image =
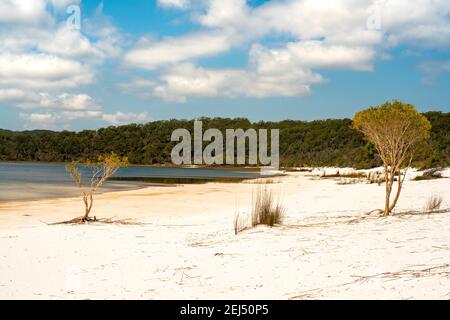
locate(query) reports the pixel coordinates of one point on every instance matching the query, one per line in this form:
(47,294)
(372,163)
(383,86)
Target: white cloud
(55,120)
(335,20)
(172,50)
(62,5)
(231,13)
(42,71)
(186,80)
(15,95)
(313,54)
(426,23)
(39,120)
(72,115)
(179,4)
(69,42)
(53,111)
(65,101)
(24,11)
(38,117)
(125,118)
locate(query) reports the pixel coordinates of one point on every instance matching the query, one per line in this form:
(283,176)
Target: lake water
(33,181)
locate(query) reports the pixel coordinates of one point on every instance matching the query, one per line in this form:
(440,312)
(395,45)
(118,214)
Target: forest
(330,142)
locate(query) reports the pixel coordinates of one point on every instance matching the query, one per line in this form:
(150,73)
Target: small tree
(101,171)
(396,130)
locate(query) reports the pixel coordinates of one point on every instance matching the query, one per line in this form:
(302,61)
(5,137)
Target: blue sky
(265,60)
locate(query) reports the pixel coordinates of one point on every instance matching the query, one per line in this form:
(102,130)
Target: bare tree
(396,130)
(100,172)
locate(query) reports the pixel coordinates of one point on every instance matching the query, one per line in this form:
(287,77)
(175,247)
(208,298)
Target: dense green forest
(317,143)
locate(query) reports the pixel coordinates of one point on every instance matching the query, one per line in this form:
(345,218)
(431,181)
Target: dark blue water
(32,181)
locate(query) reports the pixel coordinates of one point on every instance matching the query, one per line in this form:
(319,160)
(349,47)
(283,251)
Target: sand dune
(184,244)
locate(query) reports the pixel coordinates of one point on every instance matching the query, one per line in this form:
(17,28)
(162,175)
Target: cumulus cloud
(24,11)
(55,120)
(183,81)
(313,54)
(179,4)
(52,110)
(150,55)
(119,118)
(15,95)
(44,100)
(42,71)
(39,120)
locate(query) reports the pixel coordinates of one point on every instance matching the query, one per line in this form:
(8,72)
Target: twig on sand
(81,220)
(440,270)
(307,294)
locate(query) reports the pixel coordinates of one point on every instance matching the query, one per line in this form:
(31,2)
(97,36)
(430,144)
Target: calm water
(32,181)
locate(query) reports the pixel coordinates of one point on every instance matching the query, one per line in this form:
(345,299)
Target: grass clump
(433,203)
(265,209)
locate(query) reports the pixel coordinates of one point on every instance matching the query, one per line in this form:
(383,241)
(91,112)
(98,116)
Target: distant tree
(396,130)
(101,170)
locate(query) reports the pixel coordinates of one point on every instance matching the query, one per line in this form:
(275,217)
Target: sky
(74,65)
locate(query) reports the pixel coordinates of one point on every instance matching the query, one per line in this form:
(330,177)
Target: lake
(21,181)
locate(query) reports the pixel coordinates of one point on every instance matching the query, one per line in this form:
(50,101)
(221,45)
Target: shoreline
(51,182)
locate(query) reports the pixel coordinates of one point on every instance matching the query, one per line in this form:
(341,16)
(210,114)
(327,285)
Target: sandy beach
(183,246)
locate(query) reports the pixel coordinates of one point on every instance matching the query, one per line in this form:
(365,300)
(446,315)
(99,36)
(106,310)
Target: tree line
(331,142)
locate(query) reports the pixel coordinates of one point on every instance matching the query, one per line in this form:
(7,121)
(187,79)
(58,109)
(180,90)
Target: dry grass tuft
(265,210)
(433,203)
(239,224)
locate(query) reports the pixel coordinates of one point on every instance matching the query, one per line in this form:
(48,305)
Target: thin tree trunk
(88,206)
(388,190)
(397,195)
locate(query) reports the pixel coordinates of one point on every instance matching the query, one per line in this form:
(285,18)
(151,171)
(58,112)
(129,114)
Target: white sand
(186,247)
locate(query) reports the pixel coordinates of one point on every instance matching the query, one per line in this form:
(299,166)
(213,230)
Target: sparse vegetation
(100,172)
(397,132)
(433,173)
(262,181)
(375,177)
(265,209)
(433,203)
(345,181)
(345,174)
(239,224)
